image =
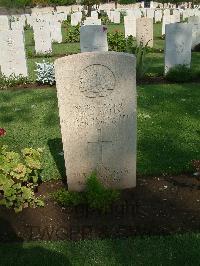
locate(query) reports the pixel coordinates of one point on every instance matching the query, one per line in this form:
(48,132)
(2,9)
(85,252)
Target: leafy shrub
(68,198)
(20,175)
(130,47)
(104,18)
(45,73)
(141,66)
(73,34)
(117,41)
(179,73)
(96,195)
(12,81)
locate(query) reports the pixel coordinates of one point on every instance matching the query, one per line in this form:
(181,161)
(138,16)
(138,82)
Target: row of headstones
(93,39)
(156,14)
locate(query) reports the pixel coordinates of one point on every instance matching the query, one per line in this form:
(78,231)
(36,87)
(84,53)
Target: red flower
(2,132)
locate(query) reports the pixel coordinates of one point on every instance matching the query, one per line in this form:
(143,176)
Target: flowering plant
(2,132)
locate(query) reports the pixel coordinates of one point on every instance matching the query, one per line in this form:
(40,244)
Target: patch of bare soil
(157,206)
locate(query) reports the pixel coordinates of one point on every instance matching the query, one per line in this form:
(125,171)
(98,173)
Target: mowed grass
(168,127)
(177,250)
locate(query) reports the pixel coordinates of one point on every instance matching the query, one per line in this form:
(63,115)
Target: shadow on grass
(18,254)
(56,148)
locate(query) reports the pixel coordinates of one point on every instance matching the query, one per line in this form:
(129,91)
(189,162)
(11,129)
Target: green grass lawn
(177,250)
(168,127)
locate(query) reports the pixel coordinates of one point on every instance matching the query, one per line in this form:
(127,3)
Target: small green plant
(179,73)
(130,47)
(117,41)
(73,34)
(20,175)
(96,195)
(12,81)
(105,19)
(68,198)
(141,66)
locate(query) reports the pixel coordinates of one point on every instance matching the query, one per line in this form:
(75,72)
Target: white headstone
(158,15)
(150,13)
(195,23)
(94,15)
(178,41)
(167,19)
(97,108)
(4,23)
(76,18)
(130,26)
(144,31)
(56,31)
(93,38)
(115,16)
(42,37)
(92,21)
(12,53)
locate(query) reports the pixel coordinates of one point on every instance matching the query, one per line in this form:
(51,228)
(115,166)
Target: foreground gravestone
(93,38)
(178,41)
(97,107)
(12,53)
(144,31)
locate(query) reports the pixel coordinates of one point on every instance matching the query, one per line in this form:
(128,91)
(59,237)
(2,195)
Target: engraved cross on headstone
(100,143)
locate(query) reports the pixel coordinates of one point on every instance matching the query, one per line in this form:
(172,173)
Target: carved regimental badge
(97,81)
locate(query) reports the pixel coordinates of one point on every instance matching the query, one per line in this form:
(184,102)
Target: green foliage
(96,195)
(20,175)
(15,3)
(73,34)
(117,41)
(180,73)
(12,81)
(68,198)
(104,18)
(141,66)
(61,2)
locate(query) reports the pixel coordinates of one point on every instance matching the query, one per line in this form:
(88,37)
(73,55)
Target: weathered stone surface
(92,21)
(93,38)
(97,108)
(42,37)
(4,23)
(195,23)
(150,13)
(12,53)
(76,18)
(144,31)
(130,25)
(158,15)
(178,41)
(56,31)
